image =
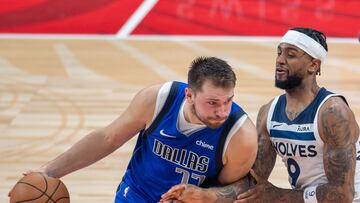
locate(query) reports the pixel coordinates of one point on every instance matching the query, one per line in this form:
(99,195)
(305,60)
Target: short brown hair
(218,71)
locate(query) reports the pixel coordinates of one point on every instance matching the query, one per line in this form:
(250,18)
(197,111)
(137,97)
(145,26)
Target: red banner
(337,18)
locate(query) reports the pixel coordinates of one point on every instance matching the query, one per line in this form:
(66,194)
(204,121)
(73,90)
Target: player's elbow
(111,141)
(349,197)
(335,193)
(348,193)
(343,195)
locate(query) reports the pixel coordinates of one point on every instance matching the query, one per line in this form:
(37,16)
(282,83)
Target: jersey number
(186,176)
(293,170)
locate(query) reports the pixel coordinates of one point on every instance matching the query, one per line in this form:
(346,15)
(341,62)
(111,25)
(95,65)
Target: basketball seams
(64,197)
(42,192)
(57,187)
(61,198)
(46,183)
(53,192)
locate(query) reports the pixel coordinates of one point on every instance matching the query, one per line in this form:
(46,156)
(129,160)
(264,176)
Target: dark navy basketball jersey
(298,141)
(164,157)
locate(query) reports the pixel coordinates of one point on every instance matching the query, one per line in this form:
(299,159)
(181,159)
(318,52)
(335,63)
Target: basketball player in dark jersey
(312,129)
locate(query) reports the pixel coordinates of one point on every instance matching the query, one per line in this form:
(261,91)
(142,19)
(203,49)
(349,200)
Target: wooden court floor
(55,91)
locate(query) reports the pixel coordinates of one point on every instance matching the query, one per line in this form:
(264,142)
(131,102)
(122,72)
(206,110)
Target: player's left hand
(187,193)
(261,192)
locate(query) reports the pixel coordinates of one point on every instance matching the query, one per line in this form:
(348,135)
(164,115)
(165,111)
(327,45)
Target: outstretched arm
(102,142)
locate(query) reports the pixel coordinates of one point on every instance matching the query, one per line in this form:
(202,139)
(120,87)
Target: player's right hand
(40,170)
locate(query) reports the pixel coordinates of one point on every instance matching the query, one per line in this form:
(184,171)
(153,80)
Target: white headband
(306,43)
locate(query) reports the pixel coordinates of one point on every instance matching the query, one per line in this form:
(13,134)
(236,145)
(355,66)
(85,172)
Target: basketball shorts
(125,194)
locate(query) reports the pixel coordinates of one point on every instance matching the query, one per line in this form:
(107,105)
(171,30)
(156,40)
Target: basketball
(38,188)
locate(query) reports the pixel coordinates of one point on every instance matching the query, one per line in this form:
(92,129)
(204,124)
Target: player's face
(212,104)
(290,66)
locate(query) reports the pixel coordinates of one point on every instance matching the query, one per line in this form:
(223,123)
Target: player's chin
(216,123)
(281,77)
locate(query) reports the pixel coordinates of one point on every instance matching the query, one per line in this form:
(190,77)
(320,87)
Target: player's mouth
(280,71)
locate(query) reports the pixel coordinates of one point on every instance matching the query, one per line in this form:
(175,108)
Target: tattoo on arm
(230,192)
(266,156)
(339,154)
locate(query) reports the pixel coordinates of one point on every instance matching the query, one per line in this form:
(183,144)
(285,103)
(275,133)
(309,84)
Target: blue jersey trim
(304,136)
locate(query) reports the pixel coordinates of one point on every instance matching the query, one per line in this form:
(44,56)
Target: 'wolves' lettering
(290,149)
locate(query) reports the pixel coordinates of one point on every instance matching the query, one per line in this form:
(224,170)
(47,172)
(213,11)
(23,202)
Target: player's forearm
(280,195)
(88,150)
(324,194)
(229,193)
(329,193)
(265,159)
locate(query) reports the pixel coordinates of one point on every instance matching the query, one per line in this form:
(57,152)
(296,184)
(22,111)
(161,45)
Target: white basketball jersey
(299,145)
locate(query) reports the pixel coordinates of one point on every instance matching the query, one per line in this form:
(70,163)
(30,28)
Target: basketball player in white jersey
(312,129)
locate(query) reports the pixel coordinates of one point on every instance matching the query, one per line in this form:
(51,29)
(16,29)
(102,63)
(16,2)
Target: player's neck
(299,98)
(189,116)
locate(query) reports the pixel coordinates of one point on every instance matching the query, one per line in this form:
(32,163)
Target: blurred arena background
(69,67)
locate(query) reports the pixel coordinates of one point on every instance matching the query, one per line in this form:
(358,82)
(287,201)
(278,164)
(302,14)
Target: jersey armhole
(213,181)
(161,98)
(270,114)
(168,102)
(232,132)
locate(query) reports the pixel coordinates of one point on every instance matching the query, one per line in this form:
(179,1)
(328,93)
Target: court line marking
(136,18)
(160,69)
(237,63)
(73,67)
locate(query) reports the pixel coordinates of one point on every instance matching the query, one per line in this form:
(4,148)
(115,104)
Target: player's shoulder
(265,107)
(335,105)
(152,91)
(244,136)
(145,99)
(336,115)
(263,111)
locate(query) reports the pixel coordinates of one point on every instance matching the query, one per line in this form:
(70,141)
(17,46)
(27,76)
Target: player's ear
(314,66)
(189,93)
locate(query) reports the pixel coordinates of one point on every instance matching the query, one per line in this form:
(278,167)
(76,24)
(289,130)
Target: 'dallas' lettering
(289,149)
(181,157)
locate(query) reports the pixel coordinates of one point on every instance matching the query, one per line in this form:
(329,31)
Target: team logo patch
(162,132)
(126,191)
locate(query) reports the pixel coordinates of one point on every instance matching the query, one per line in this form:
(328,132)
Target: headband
(306,43)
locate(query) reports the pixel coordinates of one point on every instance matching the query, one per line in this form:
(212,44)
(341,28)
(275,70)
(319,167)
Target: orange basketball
(38,188)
